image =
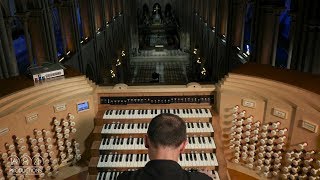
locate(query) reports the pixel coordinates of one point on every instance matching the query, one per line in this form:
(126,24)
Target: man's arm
(123,176)
(208,173)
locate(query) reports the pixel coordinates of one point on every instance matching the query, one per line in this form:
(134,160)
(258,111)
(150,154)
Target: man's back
(162,170)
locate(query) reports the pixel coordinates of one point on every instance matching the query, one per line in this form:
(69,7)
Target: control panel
(156,100)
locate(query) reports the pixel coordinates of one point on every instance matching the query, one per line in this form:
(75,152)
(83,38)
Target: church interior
(80,81)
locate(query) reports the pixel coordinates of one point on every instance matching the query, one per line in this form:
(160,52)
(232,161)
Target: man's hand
(208,173)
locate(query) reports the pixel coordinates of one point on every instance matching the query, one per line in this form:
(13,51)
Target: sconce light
(195,51)
(113,75)
(118,62)
(204,71)
(123,54)
(199,60)
(60,60)
(98,31)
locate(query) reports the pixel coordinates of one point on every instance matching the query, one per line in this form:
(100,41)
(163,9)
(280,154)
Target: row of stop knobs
(24,155)
(301,163)
(67,150)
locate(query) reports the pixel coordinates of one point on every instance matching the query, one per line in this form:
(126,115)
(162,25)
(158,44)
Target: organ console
(261,131)
(122,122)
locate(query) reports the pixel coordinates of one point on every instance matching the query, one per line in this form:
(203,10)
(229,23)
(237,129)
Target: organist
(166,139)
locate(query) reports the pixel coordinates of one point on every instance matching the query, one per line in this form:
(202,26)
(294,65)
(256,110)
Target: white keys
(115,143)
(139,160)
(141,128)
(148,114)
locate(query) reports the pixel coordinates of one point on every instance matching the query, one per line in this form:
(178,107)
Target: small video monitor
(83,106)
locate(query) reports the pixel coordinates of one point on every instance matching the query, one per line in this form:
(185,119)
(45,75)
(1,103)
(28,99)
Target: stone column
(3,65)
(292,39)
(8,22)
(51,35)
(275,38)
(237,17)
(24,19)
(265,38)
(11,63)
(1,75)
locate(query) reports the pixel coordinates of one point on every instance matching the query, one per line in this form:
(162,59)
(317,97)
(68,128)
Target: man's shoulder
(126,175)
(136,175)
(198,176)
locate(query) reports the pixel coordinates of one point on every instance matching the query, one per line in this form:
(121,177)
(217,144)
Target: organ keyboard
(116,143)
(122,123)
(141,128)
(127,161)
(151,113)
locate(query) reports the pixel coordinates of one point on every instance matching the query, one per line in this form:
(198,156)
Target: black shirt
(162,170)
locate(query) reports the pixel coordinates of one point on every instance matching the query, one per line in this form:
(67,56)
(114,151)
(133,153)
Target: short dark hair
(167,130)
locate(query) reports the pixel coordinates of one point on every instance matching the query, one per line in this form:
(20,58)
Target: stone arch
(156,6)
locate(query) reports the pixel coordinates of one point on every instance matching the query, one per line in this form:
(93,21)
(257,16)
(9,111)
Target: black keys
(201,124)
(102,158)
(104,141)
(112,158)
(107,112)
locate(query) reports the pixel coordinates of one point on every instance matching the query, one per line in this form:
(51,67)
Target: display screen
(83,106)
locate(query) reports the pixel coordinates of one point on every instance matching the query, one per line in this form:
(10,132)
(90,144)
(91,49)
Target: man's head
(166,130)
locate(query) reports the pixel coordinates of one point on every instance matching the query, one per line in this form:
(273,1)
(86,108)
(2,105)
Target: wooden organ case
(123,117)
(240,128)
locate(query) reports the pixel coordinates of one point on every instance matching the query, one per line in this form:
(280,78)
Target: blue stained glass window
(284,36)
(57,31)
(20,48)
(79,22)
(247,27)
